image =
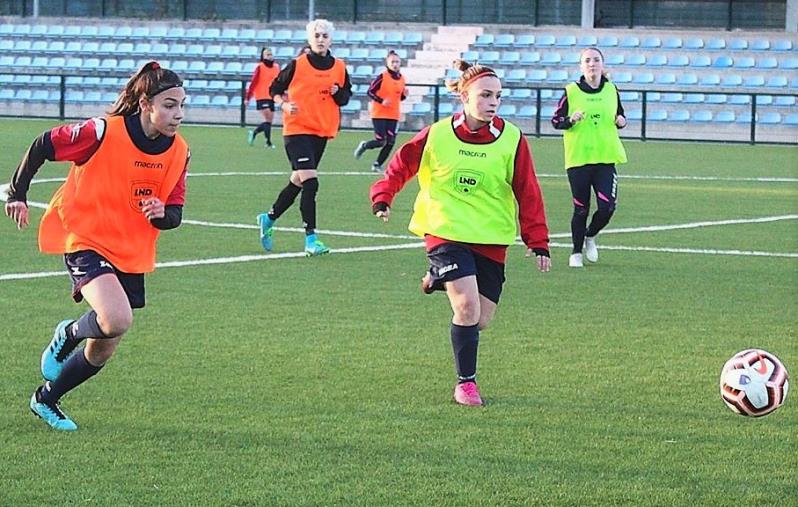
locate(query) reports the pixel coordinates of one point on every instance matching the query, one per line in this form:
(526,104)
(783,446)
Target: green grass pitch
(327,381)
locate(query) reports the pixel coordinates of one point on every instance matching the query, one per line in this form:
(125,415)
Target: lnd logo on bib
(467,182)
(141,191)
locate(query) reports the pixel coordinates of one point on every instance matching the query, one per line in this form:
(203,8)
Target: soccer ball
(753,383)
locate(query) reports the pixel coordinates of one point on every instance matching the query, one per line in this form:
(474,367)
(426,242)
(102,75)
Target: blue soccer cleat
(251,137)
(54,356)
(265,223)
(50,413)
(314,246)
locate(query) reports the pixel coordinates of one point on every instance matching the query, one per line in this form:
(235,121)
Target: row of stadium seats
(526,41)
(512,58)
(145,33)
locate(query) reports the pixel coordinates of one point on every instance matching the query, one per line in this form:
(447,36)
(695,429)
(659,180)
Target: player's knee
(466,311)
(310,185)
(116,322)
(580,211)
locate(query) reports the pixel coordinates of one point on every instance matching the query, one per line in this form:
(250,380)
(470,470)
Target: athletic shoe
(375,167)
(314,246)
(251,137)
(50,412)
(270,145)
(575,260)
(591,249)
(467,393)
(361,148)
(52,359)
(266,228)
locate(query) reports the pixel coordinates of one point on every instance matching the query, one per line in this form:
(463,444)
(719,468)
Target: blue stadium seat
(23,95)
(759,45)
(263,35)
(56,46)
(650,42)
(622,77)
(413,38)
(229,52)
(229,35)
(515,76)
(281,36)
(377,55)
(558,76)
(489,57)
(710,80)
(484,40)
(219,101)
(73,63)
(22,30)
(614,59)
(679,115)
(91,63)
(744,62)
(536,75)
(739,100)
(124,48)
(158,32)
(421,109)
(551,58)
(250,52)
(700,61)
(6,29)
(570,59)
(210,34)
(470,56)
(92,97)
(629,96)
(90,48)
(393,38)
(731,80)
(565,41)
(175,33)
(196,66)
(530,58)
(39,46)
(56,62)
(215,67)
(782,45)
(356,38)
(39,61)
(353,106)
(744,118)
(587,41)
(288,52)
(694,43)
(693,98)
(365,71)
(715,43)
(657,115)
(213,51)
(199,100)
(508,110)
(657,60)
(653,96)
(672,97)
(140,32)
(678,61)
(123,32)
(725,117)
(547,112)
(607,41)
(630,41)
(520,93)
(524,41)
(794,82)
(108,48)
(784,100)
(665,79)
(789,64)
(194,34)
(754,81)
(738,44)
(178,49)
(643,78)
(301,37)
(510,58)
(6,45)
(22,61)
(359,54)
(375,38)
(764,100)
(776,82)
(527,112)
(687,79)
(545,40)
(636,59)
(195,50)
(791,119)
(769,118)
(504,40)
(634,114)
(722,62)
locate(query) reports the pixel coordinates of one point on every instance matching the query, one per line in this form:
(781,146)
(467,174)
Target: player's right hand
(18,212)
(381,210)
(289,107)
(577,116)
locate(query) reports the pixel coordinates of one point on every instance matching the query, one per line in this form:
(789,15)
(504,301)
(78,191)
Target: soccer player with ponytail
(310,91)
(473,169)
(590,114)
(125,185)
(262,77)
(386,91)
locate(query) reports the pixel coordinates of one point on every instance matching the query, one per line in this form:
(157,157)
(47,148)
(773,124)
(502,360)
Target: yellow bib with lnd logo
(594,140)
(466,190)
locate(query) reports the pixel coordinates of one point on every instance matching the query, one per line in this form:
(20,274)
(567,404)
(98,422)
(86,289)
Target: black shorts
(264,104)
(385,129)
(86,265)
(304,151)
(452,261)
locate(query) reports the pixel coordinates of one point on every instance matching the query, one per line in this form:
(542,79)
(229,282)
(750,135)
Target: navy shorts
(264,104)
(452,261)
(385,129)
(304,151)
(86,265)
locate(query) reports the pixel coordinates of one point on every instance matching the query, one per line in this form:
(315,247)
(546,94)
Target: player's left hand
(334,89)
(153,208)
(18,212)
(543,262)
(620,121)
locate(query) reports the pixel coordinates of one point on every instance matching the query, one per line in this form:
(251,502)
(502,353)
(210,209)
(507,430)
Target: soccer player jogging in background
(262,79)
(317,85)
(387,91)
(473,168)
(125,185)
(590,114)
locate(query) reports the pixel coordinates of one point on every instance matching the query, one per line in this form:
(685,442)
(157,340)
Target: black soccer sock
(578,226)
(374,143)
(260,128)
(384,152)
(85,327)
(267,131)
(284,201)
(307,204)
(465,341)
(77,370)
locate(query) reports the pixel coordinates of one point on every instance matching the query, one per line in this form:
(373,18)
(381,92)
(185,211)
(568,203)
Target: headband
(484,73)
(153,66)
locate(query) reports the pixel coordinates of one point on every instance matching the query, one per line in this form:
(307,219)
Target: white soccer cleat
(591,249)
(575,260)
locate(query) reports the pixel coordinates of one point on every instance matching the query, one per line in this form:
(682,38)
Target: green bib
(594,140)
(466,191)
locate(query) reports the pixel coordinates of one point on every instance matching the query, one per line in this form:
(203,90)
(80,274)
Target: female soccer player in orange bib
(126,184)
(387,91)
(262,78)
(473,169)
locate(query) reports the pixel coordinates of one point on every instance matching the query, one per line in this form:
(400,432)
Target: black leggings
(603,179)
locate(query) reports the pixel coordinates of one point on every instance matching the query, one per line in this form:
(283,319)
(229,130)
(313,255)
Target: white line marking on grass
(230,260)
(704,251)
(298,229)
